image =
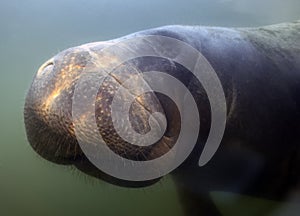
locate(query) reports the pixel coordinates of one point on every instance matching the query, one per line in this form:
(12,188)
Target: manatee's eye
(45,68)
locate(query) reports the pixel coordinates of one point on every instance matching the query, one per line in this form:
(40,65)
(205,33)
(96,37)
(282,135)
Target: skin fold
(259,69)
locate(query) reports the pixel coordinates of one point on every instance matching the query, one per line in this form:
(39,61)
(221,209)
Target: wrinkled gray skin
(259,69)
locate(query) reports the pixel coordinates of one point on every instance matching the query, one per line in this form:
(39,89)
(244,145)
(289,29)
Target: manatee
(259,71)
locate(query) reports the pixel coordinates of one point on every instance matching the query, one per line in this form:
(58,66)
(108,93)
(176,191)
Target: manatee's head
(48,109)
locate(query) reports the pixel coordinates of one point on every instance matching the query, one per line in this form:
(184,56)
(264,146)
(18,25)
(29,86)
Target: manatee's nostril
(45,68)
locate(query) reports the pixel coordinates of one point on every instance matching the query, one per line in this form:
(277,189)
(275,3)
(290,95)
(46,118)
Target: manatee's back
(259,69)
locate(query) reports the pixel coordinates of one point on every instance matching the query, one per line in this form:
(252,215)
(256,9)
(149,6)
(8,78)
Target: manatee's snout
(48,108)
(47,111)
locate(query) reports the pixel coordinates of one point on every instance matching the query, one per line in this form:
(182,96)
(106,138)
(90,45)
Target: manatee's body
(259,69)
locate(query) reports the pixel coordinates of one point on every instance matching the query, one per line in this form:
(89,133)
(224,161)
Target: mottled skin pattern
(259,69)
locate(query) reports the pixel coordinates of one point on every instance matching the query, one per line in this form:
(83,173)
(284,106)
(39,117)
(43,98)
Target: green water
(31,32)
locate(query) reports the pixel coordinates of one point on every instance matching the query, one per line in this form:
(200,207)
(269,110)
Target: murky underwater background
(31,31)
